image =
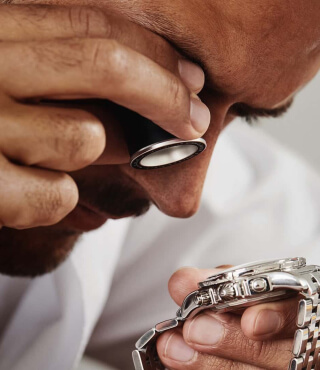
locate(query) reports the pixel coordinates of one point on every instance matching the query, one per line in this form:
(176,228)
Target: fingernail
(177,350)
(267,322)
(191,74)
(200,115)
(205,330)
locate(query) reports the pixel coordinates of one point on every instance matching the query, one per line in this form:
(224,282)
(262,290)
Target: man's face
(256,55)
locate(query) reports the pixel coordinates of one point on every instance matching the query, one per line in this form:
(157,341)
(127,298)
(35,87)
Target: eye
(241,111)
(252,114)
(250,118)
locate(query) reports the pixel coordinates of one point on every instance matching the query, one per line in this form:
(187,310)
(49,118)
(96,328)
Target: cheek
(176,190)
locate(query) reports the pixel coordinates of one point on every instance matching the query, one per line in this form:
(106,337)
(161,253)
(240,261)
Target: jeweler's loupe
(152,147)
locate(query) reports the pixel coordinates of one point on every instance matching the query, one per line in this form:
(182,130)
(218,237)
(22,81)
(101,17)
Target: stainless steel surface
(244,286)
(253,268)
(300,341)
(146,357)
(137,360)
(306,344)
(167,153)
(258,285)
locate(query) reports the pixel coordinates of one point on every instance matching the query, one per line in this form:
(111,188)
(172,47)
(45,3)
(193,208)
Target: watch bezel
(252,269)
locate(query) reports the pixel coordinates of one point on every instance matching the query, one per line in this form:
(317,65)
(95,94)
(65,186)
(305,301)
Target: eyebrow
(251,114)
(190,50)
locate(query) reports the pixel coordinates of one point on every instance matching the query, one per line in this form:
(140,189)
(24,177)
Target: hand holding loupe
(149,145)
(152,147)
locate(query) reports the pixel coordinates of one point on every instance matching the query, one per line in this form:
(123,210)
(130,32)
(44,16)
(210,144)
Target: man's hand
(78,53)
(261,337)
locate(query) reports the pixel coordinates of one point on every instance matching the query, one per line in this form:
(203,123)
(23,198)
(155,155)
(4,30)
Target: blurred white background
(299,130)
(88,364)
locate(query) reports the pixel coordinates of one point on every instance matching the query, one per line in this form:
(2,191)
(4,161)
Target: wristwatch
(245,286)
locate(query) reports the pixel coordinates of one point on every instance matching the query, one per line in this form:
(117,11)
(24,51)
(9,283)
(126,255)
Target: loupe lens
(152,147)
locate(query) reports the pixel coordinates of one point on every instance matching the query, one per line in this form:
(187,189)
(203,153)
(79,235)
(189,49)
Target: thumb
(186,279)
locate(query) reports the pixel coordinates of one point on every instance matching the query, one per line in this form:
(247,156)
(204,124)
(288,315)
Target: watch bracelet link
(146,356)
(306,344)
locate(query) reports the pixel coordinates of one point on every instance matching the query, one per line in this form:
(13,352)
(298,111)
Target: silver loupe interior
(169,155)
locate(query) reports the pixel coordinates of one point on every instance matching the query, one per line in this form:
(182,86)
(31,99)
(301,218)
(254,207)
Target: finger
(186,280)
(271,320)
(234,344)
(176,354)
(50,137)
(221,335)
(105,69)
(259,322)
(41,22)
(31,197)
(116,150)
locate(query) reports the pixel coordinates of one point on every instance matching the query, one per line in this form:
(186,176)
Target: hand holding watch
(244,286)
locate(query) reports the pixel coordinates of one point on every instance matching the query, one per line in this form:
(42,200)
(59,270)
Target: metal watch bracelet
(306,345)
(146,356)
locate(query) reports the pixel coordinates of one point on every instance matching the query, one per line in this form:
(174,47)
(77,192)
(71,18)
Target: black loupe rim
(138,157)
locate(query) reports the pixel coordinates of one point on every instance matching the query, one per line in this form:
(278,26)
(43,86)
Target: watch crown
(226,291)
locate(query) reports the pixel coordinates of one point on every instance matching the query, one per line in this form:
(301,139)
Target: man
(63,157)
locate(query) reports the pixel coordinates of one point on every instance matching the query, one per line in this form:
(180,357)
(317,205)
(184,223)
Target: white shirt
(259,202)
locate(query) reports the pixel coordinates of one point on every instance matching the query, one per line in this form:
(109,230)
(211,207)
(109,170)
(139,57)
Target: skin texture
(257,62)
(247,341)
(68,139)
(63,69)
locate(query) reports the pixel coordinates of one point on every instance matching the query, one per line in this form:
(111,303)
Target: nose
(176,190)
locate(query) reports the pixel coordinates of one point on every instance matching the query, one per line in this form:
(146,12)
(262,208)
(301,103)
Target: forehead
(247,49)
(252,52)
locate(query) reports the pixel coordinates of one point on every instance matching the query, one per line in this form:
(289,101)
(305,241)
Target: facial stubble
(40,250)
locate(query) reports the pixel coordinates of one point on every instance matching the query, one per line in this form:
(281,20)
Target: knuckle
(118,59)
(175,91)
(43,203)
(68,193)
(262,350)
(43,208)
(79,139)
(48,203)
(179,102)
(88,21)
(87,146)
(107,63)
